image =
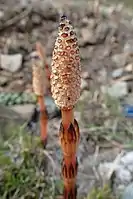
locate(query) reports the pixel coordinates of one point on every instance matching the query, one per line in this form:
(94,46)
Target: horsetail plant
(65,88)
(40,82)
(42,55)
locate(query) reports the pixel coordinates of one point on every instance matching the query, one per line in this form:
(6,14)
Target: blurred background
(105,108)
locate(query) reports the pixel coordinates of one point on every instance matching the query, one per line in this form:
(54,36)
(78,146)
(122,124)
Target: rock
(128,47)
(36,19)
(85,95)
(3,80)
(128,192)
(9,121)
(101,32)
(1,14)
(11,63)
(119,59)
(129,68)
(85,75)
(19,75)
(102,76)
(117,73)
(92,23)
(28,88)
(127,159)
(6,73)
(105,168)
(46,9)
(118,190)
(22,25)
(8,113)
(24,110)
(33,54)
(118,89)
(88,37)
(130,168)
(85,53)
(84,22)
(123,175)
(129,99)
(16,85)
(84,84)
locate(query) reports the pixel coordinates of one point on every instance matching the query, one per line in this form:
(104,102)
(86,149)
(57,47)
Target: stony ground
(105,40)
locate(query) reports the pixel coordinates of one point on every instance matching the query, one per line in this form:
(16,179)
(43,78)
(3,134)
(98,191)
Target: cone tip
(63,17)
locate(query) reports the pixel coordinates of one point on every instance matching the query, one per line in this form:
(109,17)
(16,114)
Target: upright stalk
(43,120)
(69,138)
(65,87)
(40,83)
(42,54)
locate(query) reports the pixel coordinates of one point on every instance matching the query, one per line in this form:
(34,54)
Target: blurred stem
(43,120)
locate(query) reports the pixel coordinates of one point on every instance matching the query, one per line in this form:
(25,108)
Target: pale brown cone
(66,68)
(38,77)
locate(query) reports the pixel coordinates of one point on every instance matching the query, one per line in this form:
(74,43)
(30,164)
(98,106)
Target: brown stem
(67,117)
(43,120)
(69,138)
